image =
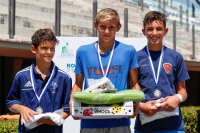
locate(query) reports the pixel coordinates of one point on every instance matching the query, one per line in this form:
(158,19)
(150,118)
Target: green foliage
(8,126)
(189,113)
(190,117)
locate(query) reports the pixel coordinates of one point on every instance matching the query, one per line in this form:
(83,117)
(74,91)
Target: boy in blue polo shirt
(41,87)
(162,74)
(106,58)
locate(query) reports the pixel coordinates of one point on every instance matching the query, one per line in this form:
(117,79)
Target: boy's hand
(76,118)
(2,117)
(27,113)
(70,104)
(46,121)
(136,110)
(148,109)
(170,103)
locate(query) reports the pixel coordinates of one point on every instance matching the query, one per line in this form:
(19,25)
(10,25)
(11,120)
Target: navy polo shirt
(172,71)
(56,95)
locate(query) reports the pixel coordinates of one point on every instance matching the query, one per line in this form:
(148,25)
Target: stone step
(78,21)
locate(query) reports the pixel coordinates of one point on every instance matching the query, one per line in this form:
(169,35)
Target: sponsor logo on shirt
(70,67)
(55,86)
(115,72)
(28,84)
(167,67)
(66,52)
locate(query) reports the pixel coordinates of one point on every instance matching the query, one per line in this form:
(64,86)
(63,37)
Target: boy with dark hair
(162,74)
(42,87)
(106,58)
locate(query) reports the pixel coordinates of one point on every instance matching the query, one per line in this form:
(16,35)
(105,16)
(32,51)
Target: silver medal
(39,110)
(157,93)
(39,97)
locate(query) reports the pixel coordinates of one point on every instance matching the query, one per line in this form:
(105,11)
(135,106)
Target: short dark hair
(154,15)
(42,35)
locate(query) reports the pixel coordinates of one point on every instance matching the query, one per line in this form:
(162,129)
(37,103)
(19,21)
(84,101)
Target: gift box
(86,111)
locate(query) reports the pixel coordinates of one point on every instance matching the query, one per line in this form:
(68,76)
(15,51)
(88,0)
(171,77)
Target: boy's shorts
(164,131)
(124,129)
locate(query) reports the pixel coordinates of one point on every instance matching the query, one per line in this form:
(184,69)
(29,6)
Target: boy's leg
(173,131)
(136,131)
(92,130)
(124,129)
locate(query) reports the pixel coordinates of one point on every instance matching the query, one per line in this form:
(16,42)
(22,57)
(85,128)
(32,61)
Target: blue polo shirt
(123,60)
(56,95)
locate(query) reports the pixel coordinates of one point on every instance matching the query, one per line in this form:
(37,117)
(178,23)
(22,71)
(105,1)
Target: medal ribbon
(45,87)
(156,78)
(109,62)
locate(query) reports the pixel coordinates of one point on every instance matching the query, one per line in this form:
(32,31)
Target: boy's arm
(9,117)
(13,102)
(78,83)
(65,115)
(26,113)
(171,102)
(76,88)
(145,107)
(182,90)
(49,121)
(66,97)
(133,75)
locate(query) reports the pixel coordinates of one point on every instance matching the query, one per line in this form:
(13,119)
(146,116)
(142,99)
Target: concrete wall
(76,20)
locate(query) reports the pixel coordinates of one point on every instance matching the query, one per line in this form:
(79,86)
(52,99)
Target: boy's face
(155,32)
(107,29)
(44,52)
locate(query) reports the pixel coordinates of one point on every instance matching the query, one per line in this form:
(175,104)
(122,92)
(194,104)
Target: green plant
(189,113)
(8,126)
(190,117)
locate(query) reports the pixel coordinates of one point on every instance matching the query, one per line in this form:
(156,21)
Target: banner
(65,56)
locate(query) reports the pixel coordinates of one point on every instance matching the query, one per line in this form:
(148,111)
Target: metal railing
(76,17)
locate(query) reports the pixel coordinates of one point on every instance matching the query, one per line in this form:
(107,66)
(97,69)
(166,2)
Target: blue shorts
(164,131)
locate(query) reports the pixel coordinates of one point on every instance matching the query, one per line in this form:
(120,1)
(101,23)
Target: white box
(102,112)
